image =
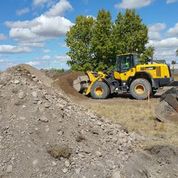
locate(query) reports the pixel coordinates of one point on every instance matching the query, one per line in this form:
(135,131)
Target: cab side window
(126,63)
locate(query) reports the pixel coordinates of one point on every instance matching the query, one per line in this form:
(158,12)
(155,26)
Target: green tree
(130,35)
(94,43)
(147,54)
(102,44)
(79,41)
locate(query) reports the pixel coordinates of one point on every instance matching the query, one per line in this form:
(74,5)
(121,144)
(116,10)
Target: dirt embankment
(44,134)
(65,82)
(157,161)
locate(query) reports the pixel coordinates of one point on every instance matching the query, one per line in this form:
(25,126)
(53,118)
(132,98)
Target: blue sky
(33,31)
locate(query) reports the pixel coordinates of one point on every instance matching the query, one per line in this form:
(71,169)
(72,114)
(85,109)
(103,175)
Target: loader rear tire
(100,90)
(140,89)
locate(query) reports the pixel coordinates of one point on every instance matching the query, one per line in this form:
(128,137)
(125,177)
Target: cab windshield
(126,62)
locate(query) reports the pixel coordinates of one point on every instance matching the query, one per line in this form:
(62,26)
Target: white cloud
(59,8)
(47,26)
(154,31)
(39,2)
(10,49)
(32,44)
(46,50)
(46,57)
(5,63)
(171,1)
(48,61)
(165,48)
(63,58)
(33,63)
(174,30)
(22,11)
(2,36)
(133,4)
(56,59)
(39,29)
(166,43)
(157,27)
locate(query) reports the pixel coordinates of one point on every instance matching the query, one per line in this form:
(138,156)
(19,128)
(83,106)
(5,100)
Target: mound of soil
(155,162)
(65,82)
(43,134)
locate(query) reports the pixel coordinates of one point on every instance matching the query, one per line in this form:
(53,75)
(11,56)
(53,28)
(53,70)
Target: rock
(65,170)
(77,171)
(60,132)
(99,154)
(47,105)
(67,163)
(34,94)
(54,163)
(33,76)
(35,162)
(9,169)
(99,123)
(39,102)
(16,81)
(21,95)
(23,106)
(43,119)
(116,174)
(22,118)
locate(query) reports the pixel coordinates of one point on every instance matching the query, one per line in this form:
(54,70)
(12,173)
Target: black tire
(140,89)
(104,90)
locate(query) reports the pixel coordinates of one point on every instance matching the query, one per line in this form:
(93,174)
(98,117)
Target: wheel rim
(140,89)
(99,91)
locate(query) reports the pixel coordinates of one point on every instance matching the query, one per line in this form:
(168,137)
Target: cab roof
(127,54)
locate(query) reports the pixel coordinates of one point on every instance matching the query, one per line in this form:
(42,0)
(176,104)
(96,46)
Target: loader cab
(126,62)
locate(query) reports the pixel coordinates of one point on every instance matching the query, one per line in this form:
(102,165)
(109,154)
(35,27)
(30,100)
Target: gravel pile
(43,134)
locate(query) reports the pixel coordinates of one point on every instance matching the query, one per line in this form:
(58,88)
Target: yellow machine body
(156,71)
(128,77)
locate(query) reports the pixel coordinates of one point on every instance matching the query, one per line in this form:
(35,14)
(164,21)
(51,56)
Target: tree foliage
(94,43)
(147,55)
(79,40)
(101,42)
(130,34)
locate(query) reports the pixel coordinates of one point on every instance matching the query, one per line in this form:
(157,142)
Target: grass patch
(58,151)
(138,116)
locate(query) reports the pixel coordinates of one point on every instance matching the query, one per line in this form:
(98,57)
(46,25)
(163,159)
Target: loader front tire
(100,90)
(140,89)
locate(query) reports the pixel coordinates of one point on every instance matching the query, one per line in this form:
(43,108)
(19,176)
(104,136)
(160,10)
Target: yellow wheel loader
(129,76)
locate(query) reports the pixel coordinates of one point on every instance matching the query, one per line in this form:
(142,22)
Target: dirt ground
(133,115)
(45,132)
(157,153)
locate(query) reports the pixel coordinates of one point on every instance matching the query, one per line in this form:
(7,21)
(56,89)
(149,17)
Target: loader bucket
(81,83)
(167,109)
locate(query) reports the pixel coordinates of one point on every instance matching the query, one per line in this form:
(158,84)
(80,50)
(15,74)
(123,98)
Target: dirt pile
(156,162)
(43,134)
(65,82)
